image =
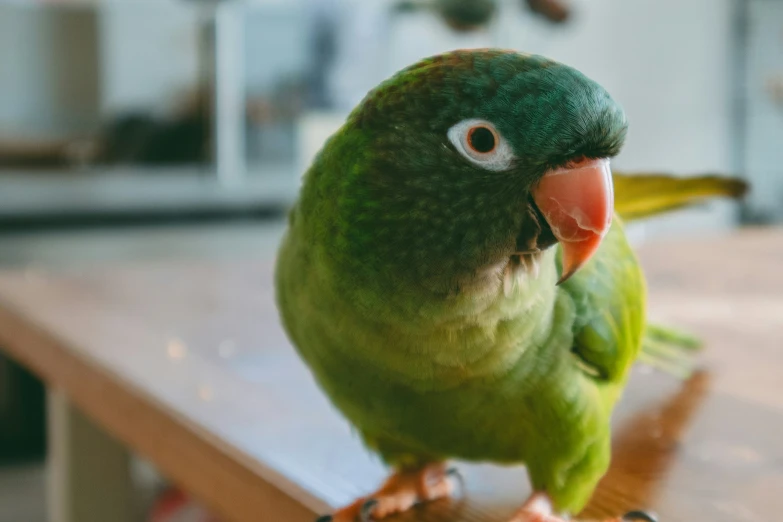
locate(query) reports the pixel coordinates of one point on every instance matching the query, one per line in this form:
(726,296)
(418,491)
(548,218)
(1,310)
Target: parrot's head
(470,158)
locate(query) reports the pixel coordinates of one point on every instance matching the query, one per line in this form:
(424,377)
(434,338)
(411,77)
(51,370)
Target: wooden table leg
(89,471)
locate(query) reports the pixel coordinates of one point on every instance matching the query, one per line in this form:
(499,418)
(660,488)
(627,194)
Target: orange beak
(578,202)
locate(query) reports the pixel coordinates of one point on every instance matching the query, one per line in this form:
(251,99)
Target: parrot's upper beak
(577,202)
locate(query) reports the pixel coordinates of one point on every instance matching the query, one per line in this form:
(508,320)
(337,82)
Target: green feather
(396,285)
(643,195)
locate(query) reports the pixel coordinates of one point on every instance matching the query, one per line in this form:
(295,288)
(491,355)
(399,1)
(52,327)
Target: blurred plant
(556,11)
(470,15)
(466,15)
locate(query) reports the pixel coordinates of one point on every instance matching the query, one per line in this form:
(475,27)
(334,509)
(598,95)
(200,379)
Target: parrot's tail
(670,350)
(642,195)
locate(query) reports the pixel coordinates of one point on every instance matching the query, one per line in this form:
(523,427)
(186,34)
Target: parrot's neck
(433,341)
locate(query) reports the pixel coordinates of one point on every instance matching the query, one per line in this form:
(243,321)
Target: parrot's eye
(481,143)
(482,139)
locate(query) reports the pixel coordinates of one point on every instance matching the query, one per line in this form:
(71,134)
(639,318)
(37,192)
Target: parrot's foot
(538,508)
(401,492)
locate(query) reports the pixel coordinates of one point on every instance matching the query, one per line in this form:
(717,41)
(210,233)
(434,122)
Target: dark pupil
(482,139)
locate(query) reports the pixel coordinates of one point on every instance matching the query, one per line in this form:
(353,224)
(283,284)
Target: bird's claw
(365,514)
(401,491)
(637,515)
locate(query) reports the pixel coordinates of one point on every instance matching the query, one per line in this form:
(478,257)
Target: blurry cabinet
(48,71)
(132,108)
(22,414)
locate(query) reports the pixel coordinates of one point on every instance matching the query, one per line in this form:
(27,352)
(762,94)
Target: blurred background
(138,129)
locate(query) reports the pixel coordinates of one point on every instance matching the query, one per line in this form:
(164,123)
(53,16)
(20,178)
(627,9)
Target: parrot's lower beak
(577,202)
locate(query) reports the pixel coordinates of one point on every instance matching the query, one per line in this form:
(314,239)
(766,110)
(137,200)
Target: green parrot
(455,277)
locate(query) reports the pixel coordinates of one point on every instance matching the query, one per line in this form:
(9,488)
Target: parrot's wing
(609,296)
(642,195)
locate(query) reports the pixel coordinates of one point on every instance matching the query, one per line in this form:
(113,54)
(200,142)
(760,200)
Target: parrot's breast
(449,385)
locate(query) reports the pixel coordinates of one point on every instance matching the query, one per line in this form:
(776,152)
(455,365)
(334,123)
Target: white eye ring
(491,153)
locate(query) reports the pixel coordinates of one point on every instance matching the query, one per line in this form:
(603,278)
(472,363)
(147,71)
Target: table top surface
(186,362)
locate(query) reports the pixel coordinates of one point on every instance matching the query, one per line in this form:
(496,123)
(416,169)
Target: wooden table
(185,363)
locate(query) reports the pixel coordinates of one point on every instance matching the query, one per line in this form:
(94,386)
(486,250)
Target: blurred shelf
(136,190)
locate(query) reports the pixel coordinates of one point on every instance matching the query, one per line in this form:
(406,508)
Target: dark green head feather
(405,204)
